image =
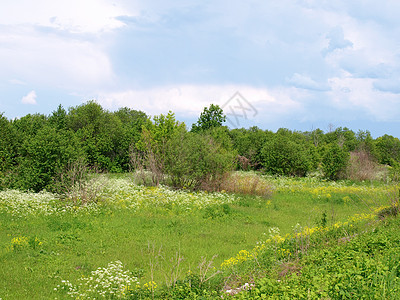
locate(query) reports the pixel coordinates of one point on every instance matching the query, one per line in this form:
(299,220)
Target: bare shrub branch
(77,183)
(362,166)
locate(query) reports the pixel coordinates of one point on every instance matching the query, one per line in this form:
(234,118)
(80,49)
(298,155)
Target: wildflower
(111,281)
(19,243)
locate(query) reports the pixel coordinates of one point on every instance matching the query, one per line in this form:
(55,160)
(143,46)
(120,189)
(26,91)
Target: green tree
(365,142)
(28,126)
(150,151)
(58,118)
(132,122)
(249,143)
(334,161)
(210,117)
(100,133)
(221,136)
(196,161)
(388,150)
(157,133)
(284,156)
(344,137)
(7,144)
(44,156)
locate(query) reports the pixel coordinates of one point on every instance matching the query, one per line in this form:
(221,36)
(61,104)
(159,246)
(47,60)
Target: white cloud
(388,85)
(52,60)
(337,40)
(58,44)
(89,16)
(16,81)
(30,98)
(303,59)
(191,99)
(359,94)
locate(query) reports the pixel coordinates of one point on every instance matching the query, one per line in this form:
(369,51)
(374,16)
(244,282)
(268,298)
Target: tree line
(37,150)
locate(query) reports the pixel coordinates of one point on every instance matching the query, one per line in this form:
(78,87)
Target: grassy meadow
(157,237)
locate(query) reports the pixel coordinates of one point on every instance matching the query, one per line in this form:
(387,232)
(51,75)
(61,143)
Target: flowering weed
(109,283)
(19,243)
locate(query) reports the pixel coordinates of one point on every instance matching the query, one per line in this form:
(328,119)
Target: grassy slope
(362,266)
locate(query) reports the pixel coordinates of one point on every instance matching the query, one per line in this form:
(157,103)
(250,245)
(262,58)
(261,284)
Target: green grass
(76,242)
(362,266)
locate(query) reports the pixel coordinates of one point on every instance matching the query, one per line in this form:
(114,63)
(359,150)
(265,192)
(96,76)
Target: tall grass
(247,184)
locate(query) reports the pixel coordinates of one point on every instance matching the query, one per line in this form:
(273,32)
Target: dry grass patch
(363,167)
(246,184)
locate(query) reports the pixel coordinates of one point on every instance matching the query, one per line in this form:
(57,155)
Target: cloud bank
(301,61)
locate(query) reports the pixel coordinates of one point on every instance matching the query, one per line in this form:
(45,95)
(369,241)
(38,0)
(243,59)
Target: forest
(36,150)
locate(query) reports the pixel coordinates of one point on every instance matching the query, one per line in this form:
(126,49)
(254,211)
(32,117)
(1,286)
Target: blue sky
(299,64)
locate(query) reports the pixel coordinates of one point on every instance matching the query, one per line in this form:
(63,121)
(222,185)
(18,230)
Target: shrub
(76,183)
(196,161)
(283,156)
(182,160)
(44,156)
(334,162)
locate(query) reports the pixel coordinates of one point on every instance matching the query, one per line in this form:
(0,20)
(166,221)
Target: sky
(297,64)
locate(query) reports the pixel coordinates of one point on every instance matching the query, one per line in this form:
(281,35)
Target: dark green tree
(283,156)
(100,132)
(58,118)
(388,150)
(44,156)
(210,117)
(7,147)
(248,144)
(334,161)
(132,122)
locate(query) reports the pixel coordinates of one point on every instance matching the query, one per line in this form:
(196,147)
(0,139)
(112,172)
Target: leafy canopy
(210,117)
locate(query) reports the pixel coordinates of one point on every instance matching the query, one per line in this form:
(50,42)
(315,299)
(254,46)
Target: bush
(196,161)
(44,156)
(388,150)
(334,162)
(283,156)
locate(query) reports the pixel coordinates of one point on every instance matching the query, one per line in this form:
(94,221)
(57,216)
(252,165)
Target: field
(155,238)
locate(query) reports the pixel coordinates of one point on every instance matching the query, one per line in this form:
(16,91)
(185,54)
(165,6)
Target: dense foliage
(36,149)
(210,117)
(287,153)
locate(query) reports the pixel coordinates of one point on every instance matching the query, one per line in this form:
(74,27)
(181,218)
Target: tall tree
(99,131)
(210,117)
